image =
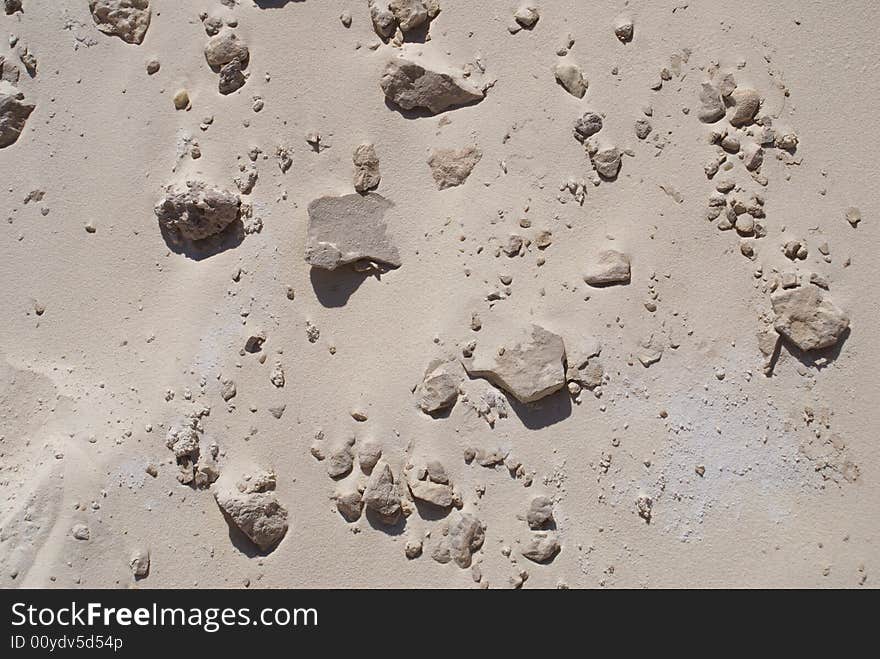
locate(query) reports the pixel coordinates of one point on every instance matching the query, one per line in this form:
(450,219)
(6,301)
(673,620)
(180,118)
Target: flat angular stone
(530,367)
(381,494)
(255,510)
(571,77)
(611,267)
(451,167)
(542,548)
(411,86)
(807,318)
(348,229)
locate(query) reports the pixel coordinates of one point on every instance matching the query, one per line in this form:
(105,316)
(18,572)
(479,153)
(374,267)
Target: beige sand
(696,470)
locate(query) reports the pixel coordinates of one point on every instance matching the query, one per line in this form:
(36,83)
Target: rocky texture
(225,48)
(744,105)
(807,318)
(542,548)
(527,16)
(341,461)
(587,126)
(438,390)
(611,267)
(139,562)
(368,455)
(196,459)
(366,168)
(466,536)
(407,15)
(126,19)
(14,113)
(529,368)
(350,505)
(232,78)
(624,28)
(711,106)
(381,495)
(196,212)
(451,167)
(607,162)
(411,86)
(253,507)
(540,513)
(571,78)
(348,229)
(437,494)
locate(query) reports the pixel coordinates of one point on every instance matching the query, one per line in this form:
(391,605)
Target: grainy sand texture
(439,293)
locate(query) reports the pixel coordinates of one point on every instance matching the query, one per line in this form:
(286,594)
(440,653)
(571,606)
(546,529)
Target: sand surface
(680,455)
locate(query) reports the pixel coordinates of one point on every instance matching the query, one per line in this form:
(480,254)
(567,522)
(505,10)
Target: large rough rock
(411,86)
(126,19)
(466,537)
(14,112)
(586,126)
(438,390)
(438,494)
(807,318)
(196,459)
(530,368)
(571,77)
(451,167)
(253,507)
(542,548)
(611,267)
(540,513)
(196,212)
(744,105)
(381,495)
(389,15)
(225,48)
(348,229)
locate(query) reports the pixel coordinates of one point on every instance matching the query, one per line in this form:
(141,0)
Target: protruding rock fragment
(408,15)
(451,167)
(253,507)
(587,126)
(643,128)
(80,532)
(853,216)
(350,505)
(527,16)
(540,512)
(411,86)
(744,105)
(349,229)
(529,368)
(14,112)
(181,100)
(624,28)
(571,77)
(232,78)
(711,106)
(225,48)
(196,212)
(140,563)
(381,495)
(412,549)
(753,156)
(368,455)
(438,390)
(366,168)
(438,494)
(126,19)
(611,267)
(807,318)
(341,461)
(465,537)
(607,162)
(542,548)
(12,6)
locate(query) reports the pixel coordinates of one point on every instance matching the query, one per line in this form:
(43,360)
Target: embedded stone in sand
(711,106)
(612,267)
(14,112)
(350,505)
(439,389)
(542,548)
(540,512)
(197,212)
(348,229)
(744,104)
(530,368)
(126,19)
(253,507)
(607,162)
(412,86)
(587,126)
(466,537)
(224,48)
(408,15)
(807,318)
(451,167)
(381,495)
(571,77)
(438,494)
(366,168)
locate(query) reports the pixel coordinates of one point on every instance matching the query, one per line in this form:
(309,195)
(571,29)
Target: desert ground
(438,293)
